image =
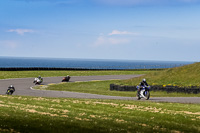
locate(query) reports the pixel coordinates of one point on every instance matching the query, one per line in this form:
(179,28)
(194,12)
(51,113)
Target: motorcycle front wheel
(9,93)
(147,95)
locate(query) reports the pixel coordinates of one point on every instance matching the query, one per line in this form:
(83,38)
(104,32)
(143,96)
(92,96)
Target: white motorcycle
(143,92)
(38,81)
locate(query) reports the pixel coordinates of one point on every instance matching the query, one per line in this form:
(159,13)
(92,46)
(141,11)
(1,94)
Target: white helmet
(144,80)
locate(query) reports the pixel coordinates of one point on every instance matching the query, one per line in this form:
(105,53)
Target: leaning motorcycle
(66,79)
(143,93)
(38,81)
(10,91)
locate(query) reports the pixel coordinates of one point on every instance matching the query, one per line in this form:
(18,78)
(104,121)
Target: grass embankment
(29,74)
(188,75)
(31,114)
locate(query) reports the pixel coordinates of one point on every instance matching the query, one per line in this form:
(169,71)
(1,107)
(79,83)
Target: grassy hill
(188,75)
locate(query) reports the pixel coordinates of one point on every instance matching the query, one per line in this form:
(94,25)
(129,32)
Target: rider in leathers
(11,88)
(142,84)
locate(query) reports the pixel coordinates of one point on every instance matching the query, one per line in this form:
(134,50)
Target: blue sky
(166,30)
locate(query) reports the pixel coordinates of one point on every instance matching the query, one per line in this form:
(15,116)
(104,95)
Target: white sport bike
(143,92)
(38,81)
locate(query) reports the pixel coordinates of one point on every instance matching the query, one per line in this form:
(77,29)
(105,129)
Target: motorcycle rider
(66,78)
(11,88)
(143,83)
(40,78)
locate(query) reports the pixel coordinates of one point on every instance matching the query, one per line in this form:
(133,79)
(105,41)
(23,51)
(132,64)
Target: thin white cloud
(9,44)
(117,32)
(109,39)
(106,40)
(119,40)
(21,31)
(100,40)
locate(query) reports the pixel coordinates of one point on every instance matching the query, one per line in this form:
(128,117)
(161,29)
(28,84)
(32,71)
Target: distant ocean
(19,62)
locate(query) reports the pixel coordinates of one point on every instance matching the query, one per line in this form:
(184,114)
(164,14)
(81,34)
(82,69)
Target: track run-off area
(24,86)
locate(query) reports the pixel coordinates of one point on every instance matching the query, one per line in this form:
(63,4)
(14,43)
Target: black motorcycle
(66,79)
(10,91)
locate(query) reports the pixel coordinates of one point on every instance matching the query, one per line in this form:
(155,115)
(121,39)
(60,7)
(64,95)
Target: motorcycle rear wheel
(138,96)
(9,93)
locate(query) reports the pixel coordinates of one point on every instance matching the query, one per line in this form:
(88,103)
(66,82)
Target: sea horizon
(35,62)
(93,59)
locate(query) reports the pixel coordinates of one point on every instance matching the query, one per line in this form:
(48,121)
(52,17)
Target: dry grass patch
(91,115)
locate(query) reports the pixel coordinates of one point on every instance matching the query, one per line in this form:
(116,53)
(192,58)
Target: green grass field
(27,74)
(44,115)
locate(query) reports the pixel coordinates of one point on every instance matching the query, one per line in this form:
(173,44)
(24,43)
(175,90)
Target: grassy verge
(26,74)
(188,75)
(35,114)
(103,88)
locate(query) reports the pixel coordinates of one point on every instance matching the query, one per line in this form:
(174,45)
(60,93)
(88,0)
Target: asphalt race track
(24,86)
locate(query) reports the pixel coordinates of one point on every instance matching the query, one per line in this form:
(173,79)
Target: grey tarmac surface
(23,88)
